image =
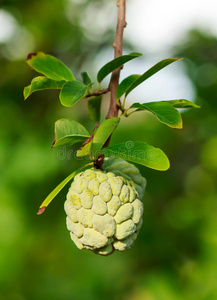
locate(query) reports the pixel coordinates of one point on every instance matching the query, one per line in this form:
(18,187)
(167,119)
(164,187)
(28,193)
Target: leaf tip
(53,144)
(30,55)
(55,135)
(24,95)
(41,210)
(180,125)
(137,54)
(176,59)
(167,168)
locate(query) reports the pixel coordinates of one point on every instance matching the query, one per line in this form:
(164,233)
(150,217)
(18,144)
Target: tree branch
(97,93)
(117,45)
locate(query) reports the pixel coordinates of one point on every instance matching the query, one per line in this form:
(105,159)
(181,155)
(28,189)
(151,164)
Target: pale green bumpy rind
(130,172)
(103,211)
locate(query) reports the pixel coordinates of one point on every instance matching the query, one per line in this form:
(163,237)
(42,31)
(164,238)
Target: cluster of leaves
(69,132)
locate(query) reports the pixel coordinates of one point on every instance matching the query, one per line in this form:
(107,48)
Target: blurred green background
(175,255)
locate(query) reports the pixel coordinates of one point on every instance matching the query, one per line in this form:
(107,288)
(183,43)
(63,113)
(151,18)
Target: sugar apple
(130,172)
(103,211)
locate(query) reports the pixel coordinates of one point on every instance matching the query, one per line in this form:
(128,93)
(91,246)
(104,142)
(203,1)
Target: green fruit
(103,211)
(121,167)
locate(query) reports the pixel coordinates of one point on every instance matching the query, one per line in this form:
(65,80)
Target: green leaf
(157,67)
(85,150)
(69,132)
(49,66)
(102,134)
(139,153)
(56,191)
(114,64)
(164,111)
(86,78)
(94,106)
(182,103)
(41,83)
(72,92)
(125,84)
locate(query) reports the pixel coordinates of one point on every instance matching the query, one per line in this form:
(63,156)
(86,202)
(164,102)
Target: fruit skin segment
(130,172)
(104,212)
